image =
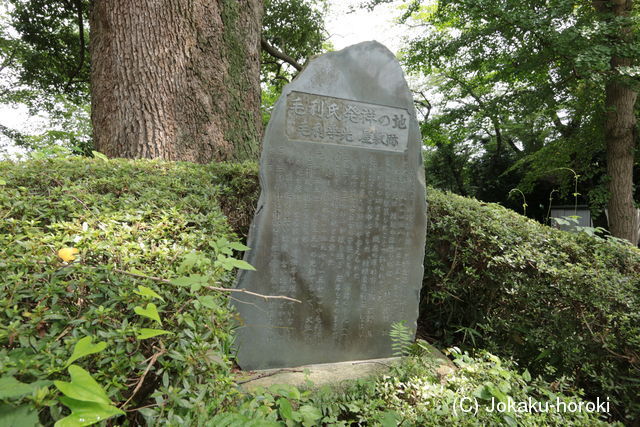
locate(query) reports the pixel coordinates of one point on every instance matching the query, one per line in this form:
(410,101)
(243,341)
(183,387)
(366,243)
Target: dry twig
(213,288)
(268,374)
(144,374)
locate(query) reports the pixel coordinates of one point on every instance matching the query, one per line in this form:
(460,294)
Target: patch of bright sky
(346,28)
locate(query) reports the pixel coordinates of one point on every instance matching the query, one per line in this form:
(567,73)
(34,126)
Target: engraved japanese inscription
(340,224)
(317,118)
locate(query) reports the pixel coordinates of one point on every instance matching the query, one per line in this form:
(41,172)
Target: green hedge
(143,217)
(513,286)
(559,303)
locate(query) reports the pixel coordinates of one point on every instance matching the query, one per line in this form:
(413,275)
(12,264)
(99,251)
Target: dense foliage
(47,53)
(559,303)
(98,256)
(295,28)
(125,219)
(44,64)
(517,90)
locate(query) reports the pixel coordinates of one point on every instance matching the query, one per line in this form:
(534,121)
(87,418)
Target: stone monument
(340,224)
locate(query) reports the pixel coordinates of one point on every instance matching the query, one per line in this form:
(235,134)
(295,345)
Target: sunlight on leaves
(100,156)
(147,292)
(150,333)
(151,312)
(85,347)
(86,413)
(82,387)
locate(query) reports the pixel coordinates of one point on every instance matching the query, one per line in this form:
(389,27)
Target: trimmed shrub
(128,220)
(561,304)
(150,232)
(239,196)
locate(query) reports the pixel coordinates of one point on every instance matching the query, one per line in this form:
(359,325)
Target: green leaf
(3,182)
(191,259)
(226,250)
(483,392)
(208,301)
(150,333)
(84,347)
(498,394)
(151,312)
(82,387)
(86,413)
(224,262)
(286,390)
(285,409)
(242,265)
(390,419)
(11,387)
(310,415)
(542,355)
(147,292)
(212,356)
(239,246)
(230,419)
(526,375)
(99,155)
(193,279)
(21,416)
(510,421)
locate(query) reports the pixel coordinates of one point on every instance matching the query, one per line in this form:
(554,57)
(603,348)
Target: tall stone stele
(340,224)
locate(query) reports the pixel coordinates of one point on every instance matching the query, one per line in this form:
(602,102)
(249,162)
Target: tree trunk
(176,80)
(620,135)
(620,125)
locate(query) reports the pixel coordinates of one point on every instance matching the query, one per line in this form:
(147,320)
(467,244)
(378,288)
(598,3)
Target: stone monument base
(333,374)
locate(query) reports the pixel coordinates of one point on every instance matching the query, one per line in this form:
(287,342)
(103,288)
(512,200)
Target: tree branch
(424,103)
(19,138)
(513,145)
(280,55)
(78,4)
(565,130)
(494,120)
(268,374)
(9,60)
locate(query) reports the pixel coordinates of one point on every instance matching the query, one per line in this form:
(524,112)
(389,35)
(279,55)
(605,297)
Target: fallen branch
(144,374)
(212,288)
(244,291)
(268,374)
(364,362)
(600,338)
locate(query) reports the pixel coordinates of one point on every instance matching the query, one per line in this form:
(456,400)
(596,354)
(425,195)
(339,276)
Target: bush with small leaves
(112,268)
(562,304)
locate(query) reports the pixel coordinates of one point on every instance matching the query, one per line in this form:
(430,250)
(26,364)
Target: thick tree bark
(620,135)
(176,79)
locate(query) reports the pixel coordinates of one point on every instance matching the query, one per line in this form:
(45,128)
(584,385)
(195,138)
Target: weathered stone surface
(338,374)
(318,375)
(340,224)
